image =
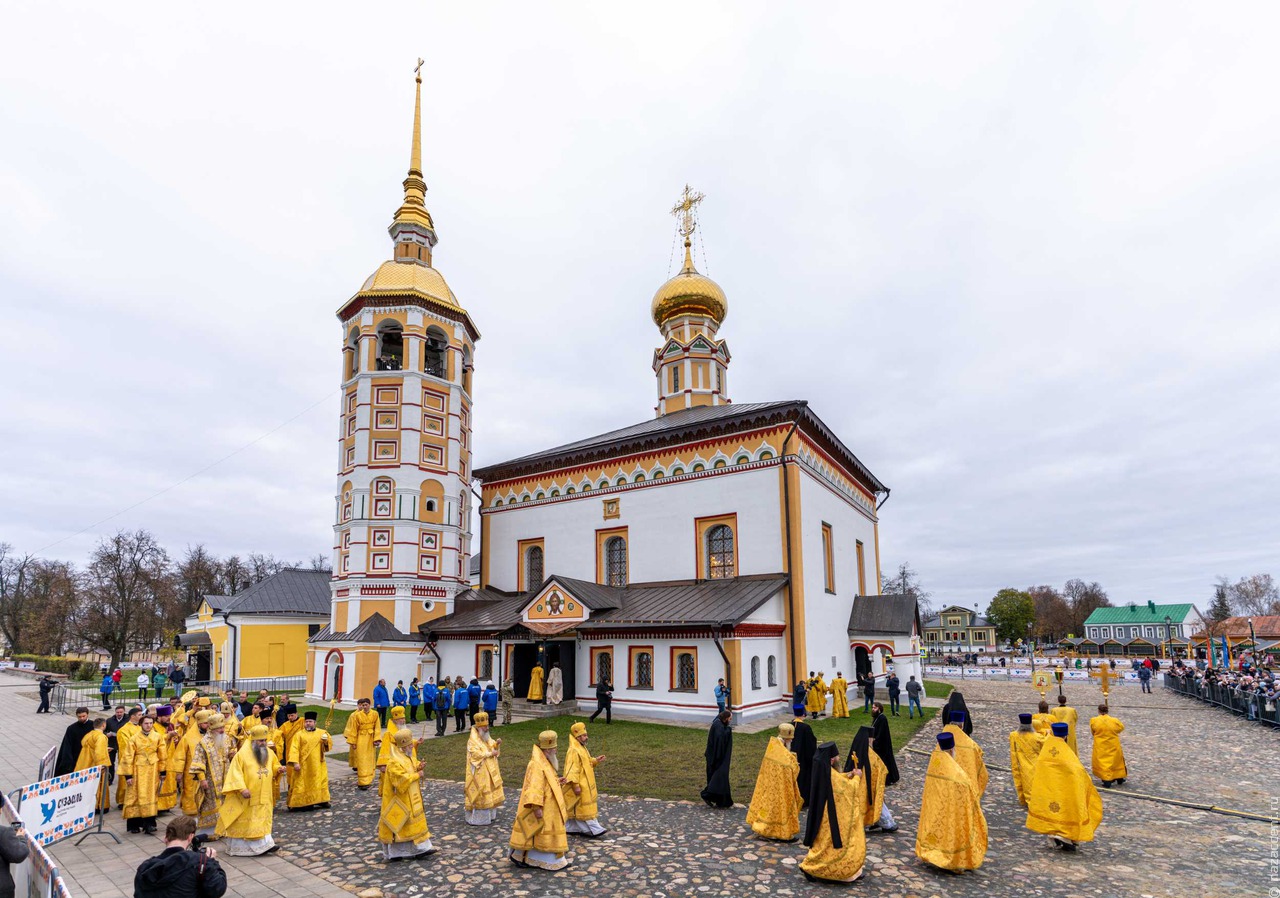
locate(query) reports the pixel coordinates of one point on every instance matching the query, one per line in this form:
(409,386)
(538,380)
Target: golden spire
(412,216)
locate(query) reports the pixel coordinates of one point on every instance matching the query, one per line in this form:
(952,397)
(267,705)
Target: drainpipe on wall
(234,634)
(791,600)
(728,668)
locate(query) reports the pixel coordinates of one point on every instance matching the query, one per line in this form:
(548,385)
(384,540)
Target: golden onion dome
(689,293)
(408,277)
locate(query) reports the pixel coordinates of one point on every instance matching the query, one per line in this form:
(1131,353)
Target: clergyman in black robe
(719,751)
(69,750)
(882,742)
(955,702)
(803,746)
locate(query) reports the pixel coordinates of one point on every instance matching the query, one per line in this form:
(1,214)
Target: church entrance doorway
(563,651)
(861,661)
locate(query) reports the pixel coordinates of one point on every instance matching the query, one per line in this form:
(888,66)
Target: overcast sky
(1023,260)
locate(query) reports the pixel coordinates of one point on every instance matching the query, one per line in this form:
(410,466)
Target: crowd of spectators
(1248,688)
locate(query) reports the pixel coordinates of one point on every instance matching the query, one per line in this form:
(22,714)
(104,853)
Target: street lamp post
(1168,634)
(1253,644)
(1031,642)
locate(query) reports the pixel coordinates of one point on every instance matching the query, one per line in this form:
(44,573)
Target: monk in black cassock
(955,702)
(803,746)
(69,750)
(882,742)
(719,750)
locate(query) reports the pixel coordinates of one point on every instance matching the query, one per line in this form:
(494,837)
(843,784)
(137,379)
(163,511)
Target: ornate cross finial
(417,70)
(684,210)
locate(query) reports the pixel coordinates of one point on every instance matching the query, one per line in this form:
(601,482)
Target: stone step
(523,708)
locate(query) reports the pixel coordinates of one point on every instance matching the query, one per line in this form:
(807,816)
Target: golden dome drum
(408,277)
(689,293)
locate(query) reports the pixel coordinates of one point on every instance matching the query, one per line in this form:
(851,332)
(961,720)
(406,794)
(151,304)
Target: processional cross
(1104,675)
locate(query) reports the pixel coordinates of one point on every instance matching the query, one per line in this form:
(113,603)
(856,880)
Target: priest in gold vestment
(93,753)
(535,684)
(862,756)
(291,727)
(816,698)
(175,762)
(1024,747)
(142,760)
(1042,719)
(309,782)
(363,734)
(581,800)
(123,735)
(1108,756)
(952,832)
(248,804)
(1071,719)
(208,769)
(774,812)
(483,795)
(190,795)
(395,723)
(834,830)
(839,695)
(402,824)
(967,752)
(538,835)
(1064,804)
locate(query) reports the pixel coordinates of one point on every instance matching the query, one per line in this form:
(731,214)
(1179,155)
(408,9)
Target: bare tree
(263,566)
(128,587)
(197,576)
(1053,614)
(1083,598)
(321,562)
(233,576)
(17,603)
(1255,596)
(905,581)
(55,588)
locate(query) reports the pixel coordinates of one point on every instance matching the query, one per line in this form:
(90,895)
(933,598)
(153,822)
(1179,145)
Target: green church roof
(1139,614)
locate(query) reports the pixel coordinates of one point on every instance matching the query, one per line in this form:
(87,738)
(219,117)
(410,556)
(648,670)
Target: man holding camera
(183,869)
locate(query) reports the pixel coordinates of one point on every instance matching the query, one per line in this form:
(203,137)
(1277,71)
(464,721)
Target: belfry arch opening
(390,346)
(435,354)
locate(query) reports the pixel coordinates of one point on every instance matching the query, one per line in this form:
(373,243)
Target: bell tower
(691,366)
(402,509)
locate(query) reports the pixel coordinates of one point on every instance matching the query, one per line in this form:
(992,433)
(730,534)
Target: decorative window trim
(828,558)
(522,548)
(603,536)
(594,654)
(676,652)
(633,660)
(702,526)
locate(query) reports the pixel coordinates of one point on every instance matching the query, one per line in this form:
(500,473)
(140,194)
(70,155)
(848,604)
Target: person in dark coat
(179,872)
(803,746)
(13,850)
(604,700)
(799,694)
(69,750)
(718,753)
(955,702)
(46,692)
(882,742)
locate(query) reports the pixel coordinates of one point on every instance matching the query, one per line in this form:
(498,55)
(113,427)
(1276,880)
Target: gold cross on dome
(684,210)
(417,70)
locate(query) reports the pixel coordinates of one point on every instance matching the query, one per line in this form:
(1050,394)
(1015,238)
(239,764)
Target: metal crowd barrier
(66,699)
(1233,699)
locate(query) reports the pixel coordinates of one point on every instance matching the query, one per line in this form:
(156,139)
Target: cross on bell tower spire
(412,229)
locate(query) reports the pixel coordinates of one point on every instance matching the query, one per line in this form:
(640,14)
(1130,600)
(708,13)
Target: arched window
(615,561)
(773,671)
(720,552)
(390,346)
(352,353)
(436,351)
(755,672)
(686,672)
(467,367)
(720,463)
(533,567)
(644,670)
(622,478)
(604,667)
(677,471)
(699,467)
(486,664)
(742,460)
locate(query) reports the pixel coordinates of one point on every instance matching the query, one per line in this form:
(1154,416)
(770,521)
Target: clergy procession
(230,770)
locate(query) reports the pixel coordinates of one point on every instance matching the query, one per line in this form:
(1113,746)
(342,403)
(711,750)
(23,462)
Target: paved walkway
(1176,747)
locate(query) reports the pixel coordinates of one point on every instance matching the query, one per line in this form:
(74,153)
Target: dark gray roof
(374,628)
(217,603)
(889,615)
(291,591)
(673,603)
(977,620)
(677,427)
(473,566)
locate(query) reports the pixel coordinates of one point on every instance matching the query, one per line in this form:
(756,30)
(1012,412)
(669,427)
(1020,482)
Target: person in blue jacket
(490,702)
(429,696)
(461,700)
(415,699)
(441,702)
(399,696)
(381,700)
(108,686)
(473,698)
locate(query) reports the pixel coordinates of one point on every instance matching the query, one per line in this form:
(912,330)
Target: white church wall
(827,614)
(661,529)
(458,659)
(752,703)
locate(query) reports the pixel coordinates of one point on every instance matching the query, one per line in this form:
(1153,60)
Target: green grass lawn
(645,759)
(937,690)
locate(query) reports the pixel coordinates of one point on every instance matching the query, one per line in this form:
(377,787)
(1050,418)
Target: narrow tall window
(604,667)
(862,570)
(686,672)
(828,560)
(720,561)
(615,561)
(675,378)
(755,672)
(773,671)
(486,664)
(644,670)
(533,567)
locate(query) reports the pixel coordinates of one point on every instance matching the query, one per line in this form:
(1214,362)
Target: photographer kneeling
(183,869)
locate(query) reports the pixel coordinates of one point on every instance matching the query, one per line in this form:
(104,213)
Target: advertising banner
(26,665)
(54,809)
(48,764)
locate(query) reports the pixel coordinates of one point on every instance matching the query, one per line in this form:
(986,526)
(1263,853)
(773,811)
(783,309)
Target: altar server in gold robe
(483,794)
(309,784)
(395,723)
(535,684)
(1071,719)
(93,753)
(967,752)
(175,762)
(952,832)
(402,823)
(364,735)
(248,802)
(774,812)
(1064,804)
(123,735)
(862,756)
(1108,756)
(839,695)
(538,835)
(834,830)
(1024,748)
(581,799)
(1042,719)
(142,760)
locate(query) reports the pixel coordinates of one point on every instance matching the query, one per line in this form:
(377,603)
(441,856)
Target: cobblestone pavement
(1176,748)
